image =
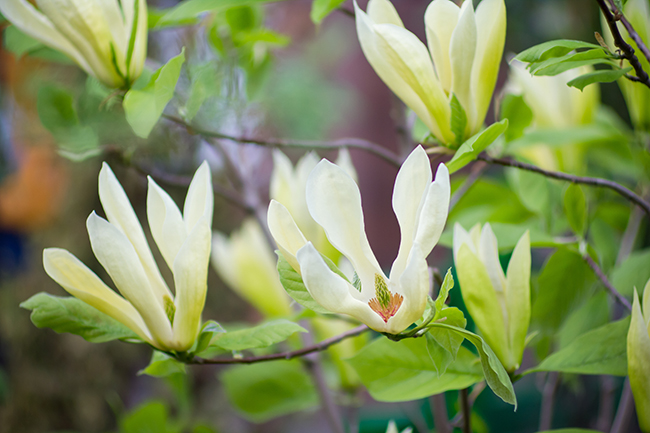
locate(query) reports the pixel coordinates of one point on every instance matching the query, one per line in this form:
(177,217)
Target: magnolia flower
(107,39)
(247,264)
(498,303)
(466,48)
(386,304)
(637,97)
(147,307)
(392,428)
(638,357)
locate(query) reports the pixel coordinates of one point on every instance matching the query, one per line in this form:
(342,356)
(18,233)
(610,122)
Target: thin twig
(356,143)
(548,401)
(477,171)
(626,49)
(593,181)
(603,279)
(327,403)
(466,409)
(284,355)
(440,416)
(345,11)
(625,410)
(478,389)
(630,30)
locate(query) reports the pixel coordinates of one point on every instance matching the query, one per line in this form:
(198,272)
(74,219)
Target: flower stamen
(385,303)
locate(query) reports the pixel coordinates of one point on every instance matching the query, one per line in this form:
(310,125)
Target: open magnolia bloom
(107,39)
(385,304)
(466,48)
(638,357)
(147,307)
(498,303)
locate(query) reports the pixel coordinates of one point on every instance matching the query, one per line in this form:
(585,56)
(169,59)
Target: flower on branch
(169,322)
(107,39)
(386,304)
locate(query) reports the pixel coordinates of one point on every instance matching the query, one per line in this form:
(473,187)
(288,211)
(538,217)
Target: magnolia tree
(549,272)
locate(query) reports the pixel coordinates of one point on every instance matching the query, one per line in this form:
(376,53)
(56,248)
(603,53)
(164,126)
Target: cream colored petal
(462,237)
(120,213)
(488,252)
(82,283)
(120,260)
(638,368)
(282,179)
(199,202)
(191,282)
(646,304)
(334,201)
(114,18)
(435,209)
(440,19)
(166,222)
(462,49)
(33,23)
(383,12)
(518,296)
(331,291)
(286,233)
(414,286)
(388,73)
(408,56)
(491,32)
(140,34)
(413,179)
(344,160)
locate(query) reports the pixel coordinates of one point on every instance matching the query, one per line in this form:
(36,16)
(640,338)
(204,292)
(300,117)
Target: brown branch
(603,279)
(627,51)
(593,181)
(630,30)
(318,347)
(355,143)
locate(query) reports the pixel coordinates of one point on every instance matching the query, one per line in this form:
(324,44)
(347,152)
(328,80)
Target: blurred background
(308,82)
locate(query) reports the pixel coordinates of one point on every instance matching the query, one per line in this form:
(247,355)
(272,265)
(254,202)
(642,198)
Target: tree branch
(318,347)
(603,278)
(355,143)
(630,30)
(593,181)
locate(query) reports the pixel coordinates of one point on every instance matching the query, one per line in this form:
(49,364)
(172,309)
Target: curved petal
(116,254)
(411,60)
(281,187)
(166,222)
(120,213)
(33,23)
(286,233)
(491,32)
(440,19)
(191,282)
(646,304)
(331,291)
(344,160)
(82,283)
(139,32)
(414,286)
(462,237)
(413,179)
(518,296)
(462,48)
(488,253)
(638,353)
(199,201)
(435,209)
(334,202)
(383,12)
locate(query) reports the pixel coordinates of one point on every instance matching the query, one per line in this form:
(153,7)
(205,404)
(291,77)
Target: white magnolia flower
(148,307)
(638,356)
(107,38)
(386,304)
(392,428)
(465,49)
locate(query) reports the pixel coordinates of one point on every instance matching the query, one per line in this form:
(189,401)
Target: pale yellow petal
(440,19)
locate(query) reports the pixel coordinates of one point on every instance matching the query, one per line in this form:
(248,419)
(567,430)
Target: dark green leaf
(259,336)
(267,390)
(551,49)
(575,208)
(601,76)
(162,365)
(292,283)
(470,149)
(68,314)
(600,351)
(519,115)
(458,120)
(322,8)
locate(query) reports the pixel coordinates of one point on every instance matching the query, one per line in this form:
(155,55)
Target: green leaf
(154,15)
(205,83)
(292,283)
(531,188)
(551,49)
(208,331)
(575,208)
(19,43)
(495,375)
(449,340)
(570,430)
(162,365)
(600,351)
(322,8)
(633,272)
(443,293)
(518,113)
(267,390)
(257,337)
(151,417)
(601,76)
(557,65)
(458,120)
(470,149)
(68,314)
(143,107)
(193,8)
(406,370)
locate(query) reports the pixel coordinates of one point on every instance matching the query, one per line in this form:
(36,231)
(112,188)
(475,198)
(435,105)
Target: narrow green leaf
(320,9)
(162,365)
(193,8)
(518,113)
(407,370)
(532,189)
(458,120)
(264,391)
(259,336)
(208,331)
(68,314)
(602,76)
(551,49)
(143,107)
(443,293)
(557,65)
(292,283)
(599,351)
(575,208)
(470,149)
